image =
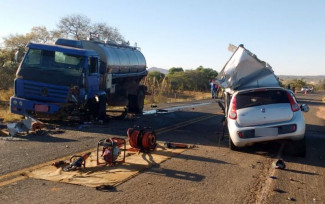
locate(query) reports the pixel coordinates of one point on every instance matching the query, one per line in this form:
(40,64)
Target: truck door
(93,76)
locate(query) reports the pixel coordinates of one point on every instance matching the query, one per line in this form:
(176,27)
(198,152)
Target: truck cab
(55,80)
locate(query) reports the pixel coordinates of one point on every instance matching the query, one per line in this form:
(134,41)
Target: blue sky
(289,35)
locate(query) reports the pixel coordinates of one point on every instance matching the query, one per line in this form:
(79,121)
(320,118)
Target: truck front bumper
(24,107)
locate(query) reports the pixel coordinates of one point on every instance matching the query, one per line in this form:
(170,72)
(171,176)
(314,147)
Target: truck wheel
(102,108)
(136,102)
(140,101)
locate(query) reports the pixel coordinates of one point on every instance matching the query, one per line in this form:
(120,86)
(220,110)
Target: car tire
(299,147)
(232,145)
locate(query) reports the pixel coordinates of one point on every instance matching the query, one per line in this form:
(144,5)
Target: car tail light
(233,109)
(293,103)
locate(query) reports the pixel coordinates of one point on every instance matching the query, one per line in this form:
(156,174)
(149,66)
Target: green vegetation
(299,83)
(179,84)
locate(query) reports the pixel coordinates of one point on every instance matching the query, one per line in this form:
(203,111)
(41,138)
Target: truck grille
(45,92)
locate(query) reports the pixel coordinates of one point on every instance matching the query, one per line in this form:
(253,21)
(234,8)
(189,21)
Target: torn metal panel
(244,70)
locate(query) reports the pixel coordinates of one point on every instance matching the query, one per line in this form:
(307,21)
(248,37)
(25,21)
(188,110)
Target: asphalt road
(208,173)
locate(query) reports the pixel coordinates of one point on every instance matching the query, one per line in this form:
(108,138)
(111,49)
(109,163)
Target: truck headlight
(20,103)
(15,102)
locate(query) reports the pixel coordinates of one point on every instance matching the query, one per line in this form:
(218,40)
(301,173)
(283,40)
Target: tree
(75,26)
(79,27)
(174,70)
(107,32)
(40,34)
(157,75)
(16,42)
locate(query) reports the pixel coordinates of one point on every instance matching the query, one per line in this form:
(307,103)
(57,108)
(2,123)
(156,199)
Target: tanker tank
(114,58)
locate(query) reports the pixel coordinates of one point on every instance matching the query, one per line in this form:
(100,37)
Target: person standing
(216,86)
(213,89)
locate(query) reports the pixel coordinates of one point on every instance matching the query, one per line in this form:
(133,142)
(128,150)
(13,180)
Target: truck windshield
(44,59)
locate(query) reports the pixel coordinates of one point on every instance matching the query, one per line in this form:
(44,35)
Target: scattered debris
(279,164)
(291,199)
(175,145)
(314,200)
(279,190)
(161,111)
(22,126)
(273,177)
(153,106)
(106,188)
(78,162)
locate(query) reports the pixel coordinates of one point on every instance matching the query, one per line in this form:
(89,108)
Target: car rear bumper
(298,120)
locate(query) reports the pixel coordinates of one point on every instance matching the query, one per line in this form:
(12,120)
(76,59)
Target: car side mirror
(304,108)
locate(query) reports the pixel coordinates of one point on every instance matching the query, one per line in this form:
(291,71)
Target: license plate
(41,108)
(266,132)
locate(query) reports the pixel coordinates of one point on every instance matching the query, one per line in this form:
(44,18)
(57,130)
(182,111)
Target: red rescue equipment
(111,149)
(142,139)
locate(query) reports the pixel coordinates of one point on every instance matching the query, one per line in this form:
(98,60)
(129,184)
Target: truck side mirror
(304,108)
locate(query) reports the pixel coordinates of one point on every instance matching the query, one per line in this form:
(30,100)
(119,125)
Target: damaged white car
(257,109)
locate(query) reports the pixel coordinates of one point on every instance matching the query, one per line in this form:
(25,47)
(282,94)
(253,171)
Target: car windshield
(44,59)
(261,97)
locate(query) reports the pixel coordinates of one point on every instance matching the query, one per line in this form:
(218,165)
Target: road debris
(175,145)
(279,164)
(291,199)
(161,111)
(279,190)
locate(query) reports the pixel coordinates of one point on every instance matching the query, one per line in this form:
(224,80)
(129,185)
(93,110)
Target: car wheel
(232,145)
(299,147)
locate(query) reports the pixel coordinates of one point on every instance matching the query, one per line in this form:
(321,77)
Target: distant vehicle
(308,89)
(266,114)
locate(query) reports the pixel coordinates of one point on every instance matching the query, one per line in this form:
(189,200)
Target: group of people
(214,89)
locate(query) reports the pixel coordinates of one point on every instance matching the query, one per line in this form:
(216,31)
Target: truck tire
(136,102)
(102,108)
(97,110)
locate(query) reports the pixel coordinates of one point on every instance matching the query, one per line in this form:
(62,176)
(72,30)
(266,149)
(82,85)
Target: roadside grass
(5,114)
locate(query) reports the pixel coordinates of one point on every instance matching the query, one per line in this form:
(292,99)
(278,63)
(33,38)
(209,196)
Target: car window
(260,97)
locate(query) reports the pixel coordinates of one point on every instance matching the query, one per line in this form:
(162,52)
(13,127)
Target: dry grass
(179,96)
(5,113)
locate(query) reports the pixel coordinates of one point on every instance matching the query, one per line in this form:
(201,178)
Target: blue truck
(74,78)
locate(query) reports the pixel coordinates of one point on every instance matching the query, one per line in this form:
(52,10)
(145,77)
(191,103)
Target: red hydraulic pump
(111,149)
(142,139)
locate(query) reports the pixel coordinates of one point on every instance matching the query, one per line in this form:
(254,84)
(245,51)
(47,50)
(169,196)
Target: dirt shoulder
(321,112)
